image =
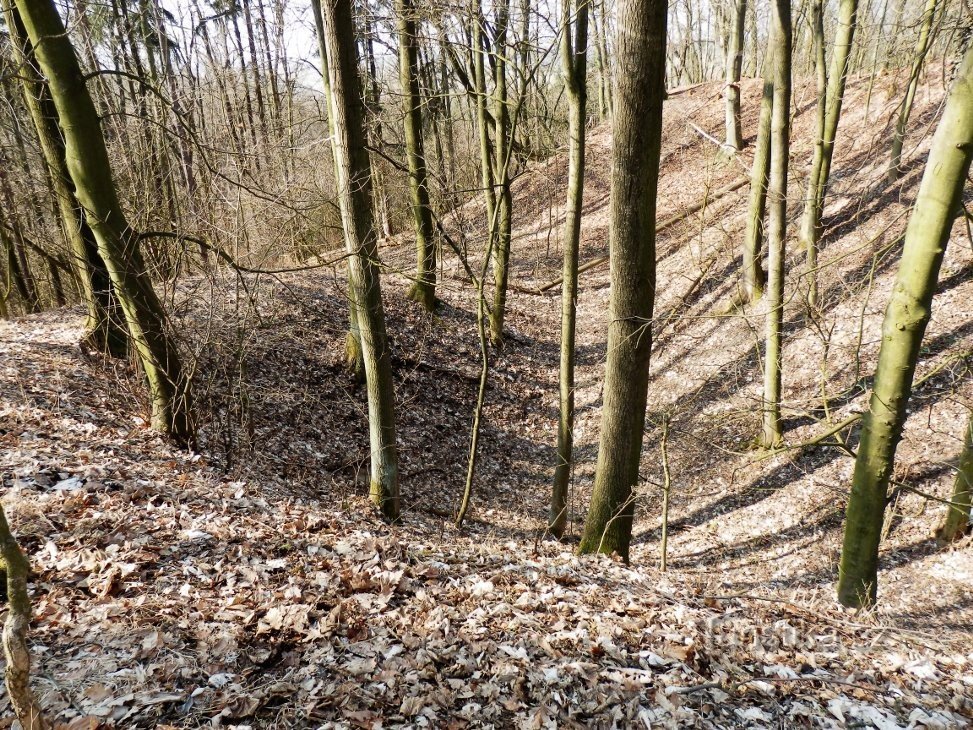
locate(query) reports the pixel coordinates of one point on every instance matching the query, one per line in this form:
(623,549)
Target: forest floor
(251,585)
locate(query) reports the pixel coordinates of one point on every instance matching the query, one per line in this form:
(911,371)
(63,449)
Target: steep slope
(250,586)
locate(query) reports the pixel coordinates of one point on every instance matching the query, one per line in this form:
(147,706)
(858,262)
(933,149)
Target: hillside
(251,586)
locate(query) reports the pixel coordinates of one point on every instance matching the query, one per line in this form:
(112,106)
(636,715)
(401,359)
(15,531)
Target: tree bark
(15,650)
(355,197)
(830,97)
(637,129)
(354,361)
(104,327)
(424,288)
(908,312)
(501,167)
(599,23)
(905,109)
(575,69)
(958,515)
(754,277)
(118,244)
(771,435)
(734,67)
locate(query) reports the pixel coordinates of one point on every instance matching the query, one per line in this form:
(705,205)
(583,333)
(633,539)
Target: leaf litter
(177,590)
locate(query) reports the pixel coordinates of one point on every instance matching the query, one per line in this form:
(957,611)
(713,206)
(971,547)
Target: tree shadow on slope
(759,489)
(802,462)
(797,537)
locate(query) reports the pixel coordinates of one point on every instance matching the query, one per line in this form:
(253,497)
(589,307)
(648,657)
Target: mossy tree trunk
(118,244)
(906,317)
(637,130)
(905,108)
(734,68)
(772,434)
(105,326)
(958,515)
(574,66)
(830,98)
(424,288)
(351,163)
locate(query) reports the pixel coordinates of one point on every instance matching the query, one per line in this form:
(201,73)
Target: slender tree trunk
(734,67)
(255,67)
(754,276)
(755,35)
(424,288)
(250,122)
(16,246)
(502,142)
(599,21)
(105,327)
(905,109)
(14,273)
(891,52)
(637,135)
(575,69)
(483,121)
(16,570)
(958,515)
(374,107)
(879,38)
(354,360)
(906,317)
(275,96)
(354,186)
(118,245)
(772,433)
(830,97)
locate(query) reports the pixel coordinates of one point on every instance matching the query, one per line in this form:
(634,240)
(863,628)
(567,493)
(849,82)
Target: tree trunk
(255,67)
(354,360)
(118,245)
(938,201)
(905,109)
(575,69)
(754,276)
(734,67)
(830,97)
(15,650)
(16,246)
(374,129)
(958,515)
(637,130)
(104,328)
(501,166)
(893,45)
(599,23)
(355,198)
(424,288)
(771,435)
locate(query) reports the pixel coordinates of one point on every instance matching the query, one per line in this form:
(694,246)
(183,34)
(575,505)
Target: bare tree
(354,194)
(574,50)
